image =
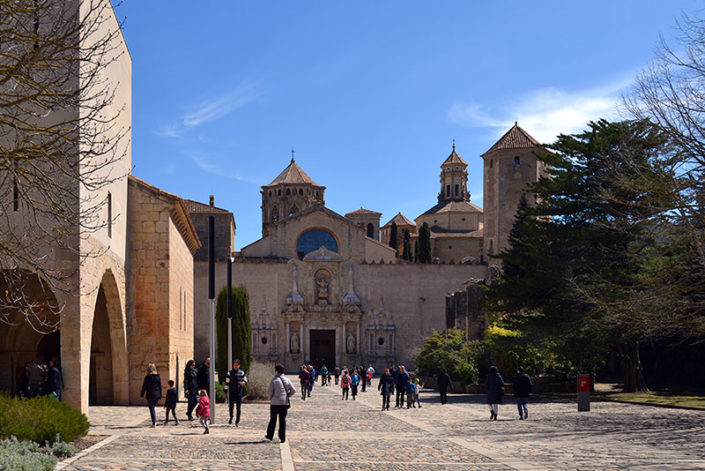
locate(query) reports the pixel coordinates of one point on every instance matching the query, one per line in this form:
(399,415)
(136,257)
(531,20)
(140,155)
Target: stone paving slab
(325,433)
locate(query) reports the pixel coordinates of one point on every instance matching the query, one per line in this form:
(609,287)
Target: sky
(369,94)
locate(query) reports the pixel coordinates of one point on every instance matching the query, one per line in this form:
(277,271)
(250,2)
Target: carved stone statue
(294,343)
(321,291)
(350,343)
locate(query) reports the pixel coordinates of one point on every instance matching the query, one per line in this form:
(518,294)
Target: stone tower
(289,194)
(509,166)
(367,220)
(454,179)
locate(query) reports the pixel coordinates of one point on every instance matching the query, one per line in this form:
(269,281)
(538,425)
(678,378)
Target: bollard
(583,393)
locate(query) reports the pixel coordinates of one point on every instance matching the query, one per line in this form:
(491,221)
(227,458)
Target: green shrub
(467,373)
(62,449)
(449,350)
(40,419)
(219,392)
(509,349)
(23,456)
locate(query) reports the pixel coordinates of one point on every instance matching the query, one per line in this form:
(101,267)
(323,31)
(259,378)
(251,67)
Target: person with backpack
(235,381)
(522,389)
(345,384)
(324,375)
(336,372)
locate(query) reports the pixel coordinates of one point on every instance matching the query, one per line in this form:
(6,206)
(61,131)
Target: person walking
(304,378)
(370,375)
(235,380)
(410,389)
(170,403)
(386,388)
(152,388)
(522,389)
(417,389)
(401,382)
(336,372)
(56,379)
(363,377)
(345,384)
(37,373)
(324,375)
(204,411)
(495,391)
(354,382)
(443,385)
(280,390)
(191,387)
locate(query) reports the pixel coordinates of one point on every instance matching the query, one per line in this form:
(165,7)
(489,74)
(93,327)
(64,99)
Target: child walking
(410,390)
(204,410)
(417,388)
(170,403)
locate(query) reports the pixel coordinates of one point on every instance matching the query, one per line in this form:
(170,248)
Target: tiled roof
(293,174)
(515,138)
(400,220)
(454,158)
(364,212)
(453,206)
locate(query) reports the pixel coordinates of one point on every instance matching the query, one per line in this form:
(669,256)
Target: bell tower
(454,179)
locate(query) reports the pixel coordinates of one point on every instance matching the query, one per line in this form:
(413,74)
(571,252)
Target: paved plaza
(325,433)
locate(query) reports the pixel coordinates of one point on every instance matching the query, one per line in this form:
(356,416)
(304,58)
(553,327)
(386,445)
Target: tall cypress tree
(241,333)
(406,254)
(394,238)
(424,244)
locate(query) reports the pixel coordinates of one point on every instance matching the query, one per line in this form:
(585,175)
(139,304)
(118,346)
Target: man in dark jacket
(191,387)
(56,380)
(401,382)
(234,383)
(37,376)
(443,385)
(204,375)
(152,388)
(522,389)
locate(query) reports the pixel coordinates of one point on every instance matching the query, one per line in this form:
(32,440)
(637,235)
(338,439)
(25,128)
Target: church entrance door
(322,344)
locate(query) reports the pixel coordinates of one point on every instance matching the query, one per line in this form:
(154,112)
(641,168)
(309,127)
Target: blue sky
(370,94)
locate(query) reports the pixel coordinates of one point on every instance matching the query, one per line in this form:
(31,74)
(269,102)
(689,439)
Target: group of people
(395,381)
(41,377)
(196,387)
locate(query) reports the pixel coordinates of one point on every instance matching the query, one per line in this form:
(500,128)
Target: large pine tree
(424,242)
(394,237)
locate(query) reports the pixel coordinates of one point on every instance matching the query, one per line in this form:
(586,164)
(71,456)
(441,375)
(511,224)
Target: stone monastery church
(326,287)
(322,286)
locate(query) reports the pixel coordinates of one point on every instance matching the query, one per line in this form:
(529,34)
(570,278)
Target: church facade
(328,288)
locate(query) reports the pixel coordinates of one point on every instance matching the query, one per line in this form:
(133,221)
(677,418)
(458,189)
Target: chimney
(212,200)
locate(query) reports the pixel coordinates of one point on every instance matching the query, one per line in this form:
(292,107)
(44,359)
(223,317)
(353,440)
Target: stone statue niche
(322,286)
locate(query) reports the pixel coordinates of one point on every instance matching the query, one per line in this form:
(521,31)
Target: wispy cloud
(546,112)
(222,170)
(210,110)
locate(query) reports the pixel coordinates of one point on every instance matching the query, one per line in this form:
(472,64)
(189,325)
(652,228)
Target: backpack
(345,381)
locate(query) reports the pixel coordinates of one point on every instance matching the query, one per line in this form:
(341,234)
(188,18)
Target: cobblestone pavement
(326,433)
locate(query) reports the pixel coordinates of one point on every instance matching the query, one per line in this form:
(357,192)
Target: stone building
(404,226)
(129,299)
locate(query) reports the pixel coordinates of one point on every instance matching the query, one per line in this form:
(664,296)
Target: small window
(380,341)
(279,192)
(457,190)
(516,160)
(275,214)
(301,192)
(447,190)
(463,219)
(288,191)
(490,245)
(491,163)
(264,340)
(450,246)
(370,230)
(270,192)
(110,215)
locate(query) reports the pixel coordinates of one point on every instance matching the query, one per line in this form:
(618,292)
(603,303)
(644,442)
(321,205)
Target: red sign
(583,383)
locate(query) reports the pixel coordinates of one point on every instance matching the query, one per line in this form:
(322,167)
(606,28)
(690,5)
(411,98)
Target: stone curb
(81,454)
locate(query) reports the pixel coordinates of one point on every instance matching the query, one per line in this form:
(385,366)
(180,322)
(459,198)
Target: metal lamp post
(230,312)
(211,297)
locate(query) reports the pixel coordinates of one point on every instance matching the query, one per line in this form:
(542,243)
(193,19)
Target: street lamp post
(211,298)
(230,312)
